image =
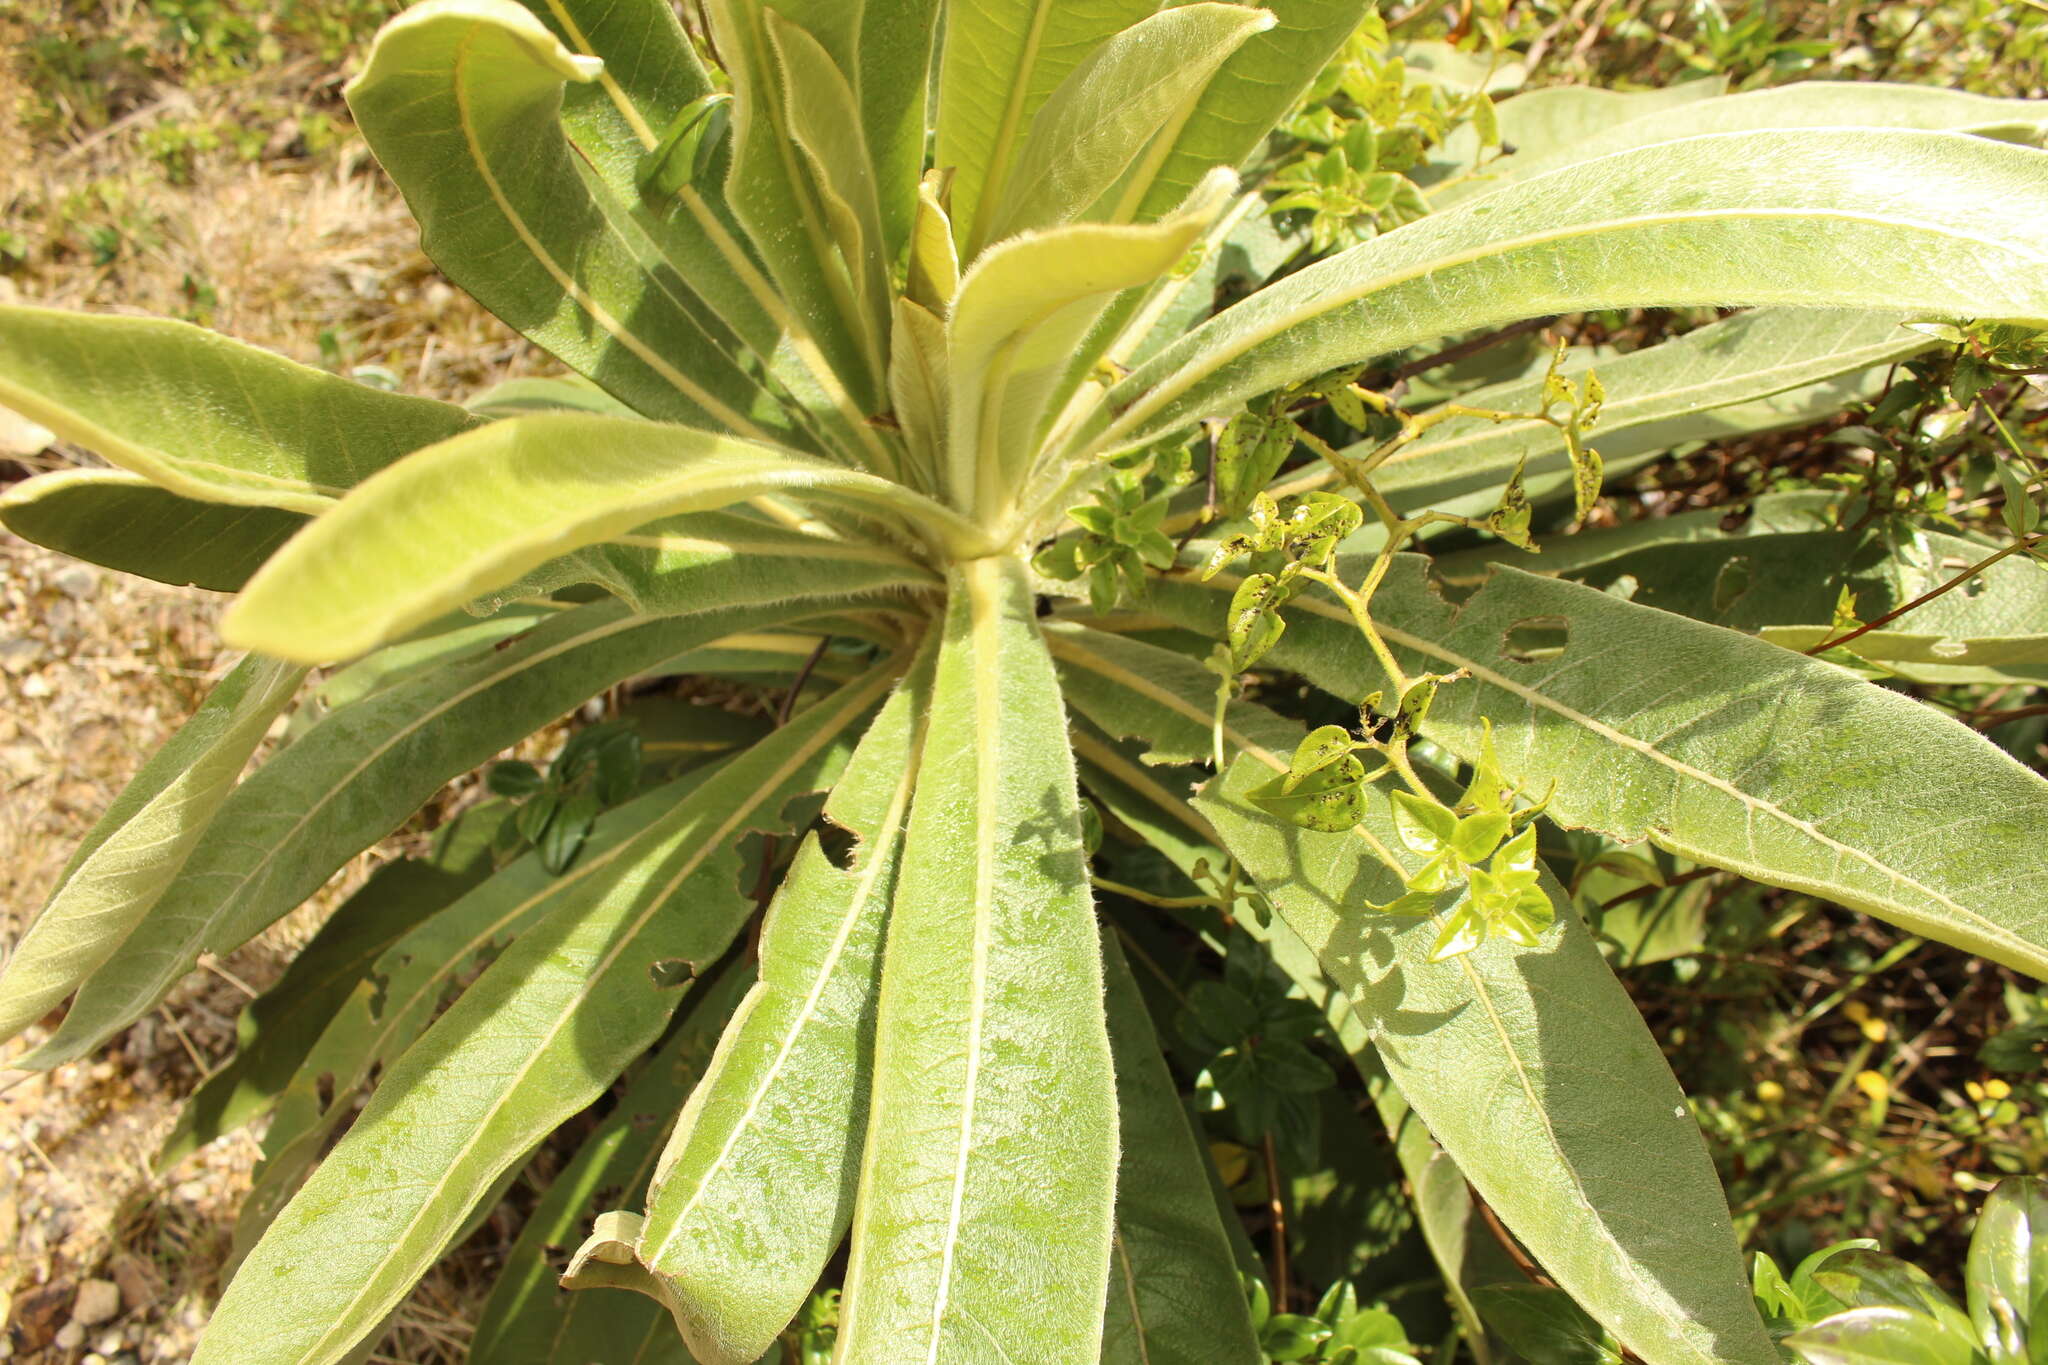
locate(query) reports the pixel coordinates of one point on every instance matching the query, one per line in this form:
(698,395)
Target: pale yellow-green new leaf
(1144,80)
(1257,86)
(756,1188)
(1939,224)
(1023,308)
(459,519)
(988,1182)
(137,847)
(206,417)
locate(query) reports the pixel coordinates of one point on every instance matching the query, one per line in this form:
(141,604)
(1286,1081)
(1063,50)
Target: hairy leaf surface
(988,1181)
(124,864)
(783,1106)
(529,1319)
(547,1026)
(1937,223)
(1174,1296)
(462,100)
(206,417)
(1716,746)
(1534,1070)
(459,519)
(278,1029)
(353,778)
(1120,97)
(1002,61)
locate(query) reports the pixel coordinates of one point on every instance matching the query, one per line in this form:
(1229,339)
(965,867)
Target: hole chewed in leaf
(1535,638)
(671,972)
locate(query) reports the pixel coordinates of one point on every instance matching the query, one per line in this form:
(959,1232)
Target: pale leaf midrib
(1005,140)
(1481,993)
(1680,768)
(983,583)
(858,698)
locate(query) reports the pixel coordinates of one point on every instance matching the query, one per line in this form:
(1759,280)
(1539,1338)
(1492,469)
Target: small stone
(95,1358)
(35,687)
(110,1342)
(70,1337)
(98,1301)
(78,582)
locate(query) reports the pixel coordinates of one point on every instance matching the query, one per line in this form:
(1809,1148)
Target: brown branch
(2026,543)
(1279,1211)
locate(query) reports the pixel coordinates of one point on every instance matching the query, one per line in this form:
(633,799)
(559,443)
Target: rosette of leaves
(849,346)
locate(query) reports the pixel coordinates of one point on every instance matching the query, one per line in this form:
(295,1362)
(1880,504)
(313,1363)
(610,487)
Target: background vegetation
(193,158)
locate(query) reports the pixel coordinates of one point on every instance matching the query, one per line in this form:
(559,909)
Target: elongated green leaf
(203,416)
(1602,122)
(620,124)
(139,845)
(541,1033)
(280,1027)
(1002,61)
(1627,450)
(461,100)
(473,514)
(774,198)
(1936,223)
(1534,1070)
(353,778)
(1115,101)
(1657,397)
(1503,1058)
(884,47)
(1174,1296)
(1255,88)
(756,1189)
(123,521)
(1021,312)
(1156,805)
(528,1320)
(1775,777)
(517,397)
(395,1003)
(668,566)
(990,1162)
(825,122)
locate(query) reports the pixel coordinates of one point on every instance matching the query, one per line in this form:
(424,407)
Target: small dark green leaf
(514,777)
(567,831)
